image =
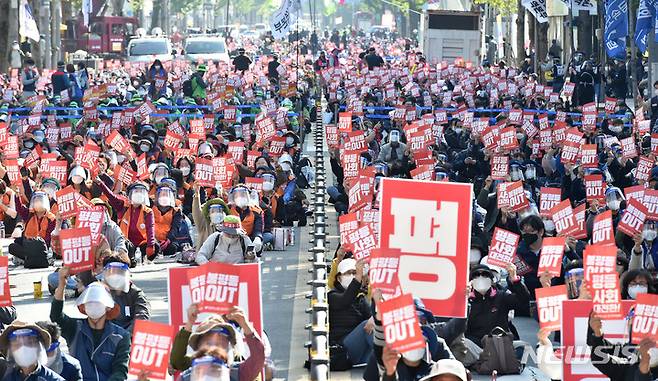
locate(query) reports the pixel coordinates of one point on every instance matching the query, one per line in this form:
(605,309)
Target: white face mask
(290,141)
(415,355)
(164,201)
(530,173)
(77,179)
(614,204)
(116,281)
(635,290)
(481,284)
(52,359)
(241,202)
(25,356)
(95,310)
(138,198)
(185,170)
(475,256)
(519,135)
(216,218)
(268,186)
(144,147)
(457,130)
(345,280)
(616,129)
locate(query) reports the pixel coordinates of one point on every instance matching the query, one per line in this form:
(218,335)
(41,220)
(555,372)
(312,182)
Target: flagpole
(631,27)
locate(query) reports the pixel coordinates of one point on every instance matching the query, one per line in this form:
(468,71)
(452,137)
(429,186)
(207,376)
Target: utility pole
(44,28)
(56,35)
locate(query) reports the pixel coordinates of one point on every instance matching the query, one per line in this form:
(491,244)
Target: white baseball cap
(446,366)
(346,265)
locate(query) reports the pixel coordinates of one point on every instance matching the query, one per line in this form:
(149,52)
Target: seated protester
(39,224)
(26,345)
(441,370)
(61,363)
(171,230)
(489,306)
(184,176)
(250,216)
(135,218)
(217,333)
(78,180)
(102,347)
(644,253)
(230,245)
(8,213)
(132,302)
(207,218)
(293,200)
(620,361)
(349,312)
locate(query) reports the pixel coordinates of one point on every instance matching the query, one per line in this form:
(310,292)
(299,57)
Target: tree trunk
(520,33)
(541,45)
(117,7)
(156,15)
(5,25)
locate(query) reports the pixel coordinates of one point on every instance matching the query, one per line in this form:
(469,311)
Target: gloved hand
(258,244)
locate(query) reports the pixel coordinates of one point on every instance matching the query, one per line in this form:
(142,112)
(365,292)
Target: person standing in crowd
(29,78)
(59,79)
(272,67)
(241,62)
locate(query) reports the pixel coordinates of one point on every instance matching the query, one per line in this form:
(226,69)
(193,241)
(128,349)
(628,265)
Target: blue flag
(616,28)
(643,25)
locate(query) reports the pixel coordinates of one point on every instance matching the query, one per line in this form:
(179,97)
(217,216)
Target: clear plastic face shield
(239,197)
(516,172)
(40,202)
(254,200)
(394,136)
(50,189)
(52,353)
(166,197)
(268,181)
(210,369)
(160,173)
(613,199)
(25,347)
(138,196)
(530,172)
(205,151)
(117,276)
(216,214)
(381,168)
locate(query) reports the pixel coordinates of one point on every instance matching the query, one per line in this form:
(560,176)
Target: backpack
(498,354)
(187,88)
(244,247)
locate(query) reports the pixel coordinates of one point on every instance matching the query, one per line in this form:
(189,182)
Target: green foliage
(136,5)
(505,7)
(184,6)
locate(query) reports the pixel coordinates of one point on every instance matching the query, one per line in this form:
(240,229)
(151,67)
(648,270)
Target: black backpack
(187,88)
(498,354)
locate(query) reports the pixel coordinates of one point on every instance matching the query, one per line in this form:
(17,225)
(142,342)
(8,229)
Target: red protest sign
(628,147)
(236,149)
(118,142)
(501,194)
(265,129)
(580,232)
(602,279)
(5,296)
(58,170)
(214,286)
(516,196)
(643,170)
(361,240)
(66,202)
(11,147)
(650,200)
(277,146)
(645,319)
(124,175)
(150,348)
(632,220)
(548,198)
(76,249)
(564,218)
(549,306)
(382,272)
(636,192)
(588,158)
(347,223)
(401,328)
(204,172)
(502,247)
(550,260)
(172,140)
(254,183)
(331,132)
(595,188)
(351,164)
(431,228)
(610,105)
(355,141)
(92,218)
(602,229)
(344,122)
(499,167)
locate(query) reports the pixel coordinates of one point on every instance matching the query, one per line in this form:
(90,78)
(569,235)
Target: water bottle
(138,256)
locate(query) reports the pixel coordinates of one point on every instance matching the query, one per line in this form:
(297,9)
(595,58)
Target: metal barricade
(318,327)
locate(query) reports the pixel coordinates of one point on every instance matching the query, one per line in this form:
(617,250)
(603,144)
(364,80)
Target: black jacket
(490,311)
(347,309)
(621,369)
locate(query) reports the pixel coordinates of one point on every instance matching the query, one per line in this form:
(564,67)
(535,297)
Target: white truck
(446,35)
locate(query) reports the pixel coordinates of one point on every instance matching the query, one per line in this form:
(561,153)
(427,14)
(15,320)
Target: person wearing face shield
(95,334)
(131,300)
(394,150)
(350,313)
(135,218)
(293,200)
(219,336)
(208,217)
(251,216)
(490,306)
(59,362)
(39,222)
(644,254)
(171,231)
(615,200)
(159,172)
(229,245)
(25,345)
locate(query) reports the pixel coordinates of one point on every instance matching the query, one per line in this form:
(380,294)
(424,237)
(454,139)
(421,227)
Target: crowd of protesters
(144,180)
